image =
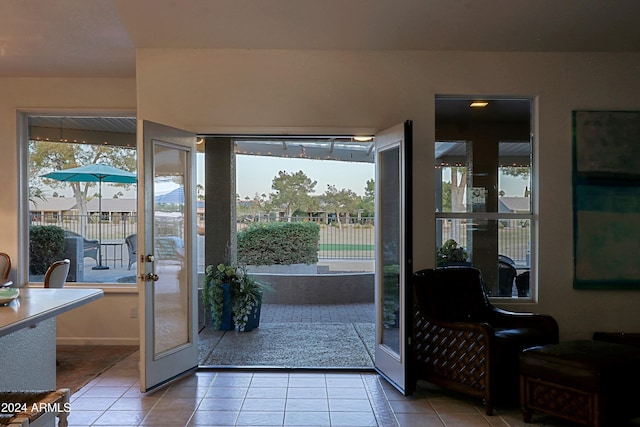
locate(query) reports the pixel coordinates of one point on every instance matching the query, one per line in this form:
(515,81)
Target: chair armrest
(510,319)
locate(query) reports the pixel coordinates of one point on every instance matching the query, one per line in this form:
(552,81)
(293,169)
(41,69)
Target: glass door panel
(166,242)
(393,254)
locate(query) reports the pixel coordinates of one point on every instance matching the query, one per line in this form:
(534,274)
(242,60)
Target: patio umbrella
(95,173)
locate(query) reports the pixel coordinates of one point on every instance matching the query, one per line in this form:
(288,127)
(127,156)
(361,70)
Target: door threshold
(240,368)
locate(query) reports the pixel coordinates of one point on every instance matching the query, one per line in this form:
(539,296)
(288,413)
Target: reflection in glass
(514,248)
(389,199)
(171,327)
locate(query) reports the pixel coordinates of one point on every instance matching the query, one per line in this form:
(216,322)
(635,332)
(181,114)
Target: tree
(47,156)
(458,185)
(367,203)
(291,192)
(517,171)
(344,202)
(446,197)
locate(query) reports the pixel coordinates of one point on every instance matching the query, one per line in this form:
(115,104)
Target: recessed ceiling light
(478,104)
(362,138)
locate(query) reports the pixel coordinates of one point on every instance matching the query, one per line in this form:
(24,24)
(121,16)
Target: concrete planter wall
(283,269)
(343,288)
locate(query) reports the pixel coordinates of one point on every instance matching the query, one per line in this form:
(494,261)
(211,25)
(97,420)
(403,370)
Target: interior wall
(113,320)
(218,91)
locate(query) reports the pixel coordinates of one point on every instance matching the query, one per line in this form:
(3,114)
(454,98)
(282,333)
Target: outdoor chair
(464,343)
(506,276)
(56,274)
(90,246)
(132,246)
(169,248)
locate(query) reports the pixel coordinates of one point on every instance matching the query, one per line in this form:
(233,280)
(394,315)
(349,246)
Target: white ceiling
(97,38)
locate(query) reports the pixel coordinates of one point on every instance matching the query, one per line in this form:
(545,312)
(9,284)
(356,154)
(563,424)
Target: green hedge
(46,245)
(279,243)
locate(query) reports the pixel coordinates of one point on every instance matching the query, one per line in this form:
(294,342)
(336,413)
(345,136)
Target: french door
(167,276)
(393,254)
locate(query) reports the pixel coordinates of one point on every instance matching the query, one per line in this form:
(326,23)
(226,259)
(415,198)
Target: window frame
(531,216)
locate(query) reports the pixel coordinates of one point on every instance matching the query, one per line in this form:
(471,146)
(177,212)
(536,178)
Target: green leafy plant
(450,252)
(46,245)
(279,243)
(246,293)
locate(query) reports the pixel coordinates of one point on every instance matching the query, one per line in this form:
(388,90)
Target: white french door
(393,254)
(167,276)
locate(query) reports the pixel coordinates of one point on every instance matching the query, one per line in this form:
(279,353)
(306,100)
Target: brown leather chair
(464,343)
(5,269)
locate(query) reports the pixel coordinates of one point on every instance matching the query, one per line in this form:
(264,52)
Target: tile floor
(276,398)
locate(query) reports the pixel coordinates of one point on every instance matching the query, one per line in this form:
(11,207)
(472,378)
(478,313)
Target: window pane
(84,220)
(464,241)
(483,159)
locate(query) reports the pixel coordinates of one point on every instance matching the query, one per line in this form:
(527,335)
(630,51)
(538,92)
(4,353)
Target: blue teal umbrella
(99,173)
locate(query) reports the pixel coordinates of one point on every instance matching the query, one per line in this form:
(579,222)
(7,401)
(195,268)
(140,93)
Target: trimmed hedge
(279,243)
(46,245)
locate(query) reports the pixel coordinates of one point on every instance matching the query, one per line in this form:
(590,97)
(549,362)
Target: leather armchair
(464,343)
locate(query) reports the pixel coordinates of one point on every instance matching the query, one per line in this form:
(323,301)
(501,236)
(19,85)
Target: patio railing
(114,228)
(514,237)
(353,238)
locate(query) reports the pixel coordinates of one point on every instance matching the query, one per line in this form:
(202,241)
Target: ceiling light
(479,104)
(362,138)
(199,140)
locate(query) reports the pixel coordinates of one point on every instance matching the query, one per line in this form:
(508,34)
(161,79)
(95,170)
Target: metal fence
(113,228)
(351,238)
(514,236)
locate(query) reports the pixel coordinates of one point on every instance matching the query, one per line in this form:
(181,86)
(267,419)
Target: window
(483,158)
(94,218)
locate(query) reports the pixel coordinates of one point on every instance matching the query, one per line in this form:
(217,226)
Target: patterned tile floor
(276,398)
(282,398)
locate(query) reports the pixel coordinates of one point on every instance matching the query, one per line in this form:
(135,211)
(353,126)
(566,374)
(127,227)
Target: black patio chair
(132,246)
(90,246)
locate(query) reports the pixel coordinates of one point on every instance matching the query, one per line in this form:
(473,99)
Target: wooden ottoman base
(588,382)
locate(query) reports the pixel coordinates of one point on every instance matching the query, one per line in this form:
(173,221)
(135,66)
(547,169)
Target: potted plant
(451,254)
(232,297)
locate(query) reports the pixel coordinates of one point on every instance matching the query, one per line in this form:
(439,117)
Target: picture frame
(606,199)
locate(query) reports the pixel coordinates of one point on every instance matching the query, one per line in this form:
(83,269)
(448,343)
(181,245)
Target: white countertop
(37,304)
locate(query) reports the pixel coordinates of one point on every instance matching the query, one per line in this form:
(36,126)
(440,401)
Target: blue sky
(254,174)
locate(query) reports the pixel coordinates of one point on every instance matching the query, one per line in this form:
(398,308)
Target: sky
(254,174)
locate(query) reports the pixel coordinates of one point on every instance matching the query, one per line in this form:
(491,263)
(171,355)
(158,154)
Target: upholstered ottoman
(594,383)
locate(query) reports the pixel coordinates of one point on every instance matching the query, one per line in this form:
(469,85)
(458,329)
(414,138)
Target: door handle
(149,277)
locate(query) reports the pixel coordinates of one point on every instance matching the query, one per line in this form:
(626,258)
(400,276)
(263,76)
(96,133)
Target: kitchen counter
(28,335)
